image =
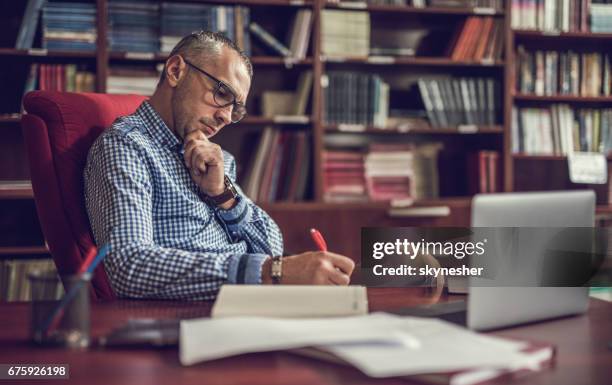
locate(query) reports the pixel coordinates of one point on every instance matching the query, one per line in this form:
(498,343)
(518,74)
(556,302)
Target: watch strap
(276,269)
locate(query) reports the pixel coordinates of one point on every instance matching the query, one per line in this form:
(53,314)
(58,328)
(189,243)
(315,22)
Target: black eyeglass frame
(237,106)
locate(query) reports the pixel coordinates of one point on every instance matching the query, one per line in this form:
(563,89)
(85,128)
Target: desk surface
(582,343)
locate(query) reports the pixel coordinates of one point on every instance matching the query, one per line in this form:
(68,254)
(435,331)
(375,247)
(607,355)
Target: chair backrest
(59,128)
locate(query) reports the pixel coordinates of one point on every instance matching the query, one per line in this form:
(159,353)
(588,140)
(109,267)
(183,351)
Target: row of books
(385,172)
(356,98)
(133,80)
(280,167)
(568,73)
(137,26)
(69,26)
(180,19)
(59,77)
(451,102)
(14,282)
(551,15)
(478,39)
(560,130)
(483,172)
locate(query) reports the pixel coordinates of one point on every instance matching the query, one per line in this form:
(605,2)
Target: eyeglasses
(224,96)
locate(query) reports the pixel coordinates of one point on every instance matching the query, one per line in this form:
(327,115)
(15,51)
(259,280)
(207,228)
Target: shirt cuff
(245,269)
(235,217)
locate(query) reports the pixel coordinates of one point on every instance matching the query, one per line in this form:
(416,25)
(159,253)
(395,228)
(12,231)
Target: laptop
(497,307)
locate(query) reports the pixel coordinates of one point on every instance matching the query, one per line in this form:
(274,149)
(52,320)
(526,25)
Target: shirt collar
(157,128)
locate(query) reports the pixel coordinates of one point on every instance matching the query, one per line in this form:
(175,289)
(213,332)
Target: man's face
(193,102)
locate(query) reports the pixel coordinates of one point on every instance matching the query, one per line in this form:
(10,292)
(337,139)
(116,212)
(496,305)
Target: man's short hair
(205,47)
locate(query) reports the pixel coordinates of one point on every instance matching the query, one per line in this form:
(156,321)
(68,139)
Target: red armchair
(59,128)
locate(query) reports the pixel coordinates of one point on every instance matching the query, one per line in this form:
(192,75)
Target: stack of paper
(290,301)
(379,344)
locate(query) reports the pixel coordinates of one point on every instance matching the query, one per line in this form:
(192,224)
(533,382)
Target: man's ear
(175,70)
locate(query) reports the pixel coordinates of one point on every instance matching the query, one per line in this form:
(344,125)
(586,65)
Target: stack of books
(181,19)
(133,26)
(356,98)
(567,73)
(601,18)
(69,26)
(345,33)
(389,172)
(462,101)
(14,282)
(280,170)
(478,39)
(344,176)
(551,15)
(560,130)
(132,80)
(59,77)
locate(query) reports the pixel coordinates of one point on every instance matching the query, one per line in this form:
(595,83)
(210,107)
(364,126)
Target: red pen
(318,239)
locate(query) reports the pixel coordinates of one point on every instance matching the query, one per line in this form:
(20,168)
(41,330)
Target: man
(164,197)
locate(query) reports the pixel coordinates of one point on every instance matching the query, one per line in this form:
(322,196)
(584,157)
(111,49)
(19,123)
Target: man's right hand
(312,268)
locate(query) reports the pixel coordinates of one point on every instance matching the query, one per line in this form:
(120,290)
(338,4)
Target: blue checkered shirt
(165,241)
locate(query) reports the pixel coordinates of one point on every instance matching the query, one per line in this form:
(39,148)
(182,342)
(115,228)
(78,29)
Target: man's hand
(313,268)
(204,160)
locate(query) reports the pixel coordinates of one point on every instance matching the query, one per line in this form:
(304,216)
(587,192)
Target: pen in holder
(67,322)
(73,326)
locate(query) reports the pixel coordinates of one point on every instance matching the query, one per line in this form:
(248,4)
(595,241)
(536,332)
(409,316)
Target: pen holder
(73,329)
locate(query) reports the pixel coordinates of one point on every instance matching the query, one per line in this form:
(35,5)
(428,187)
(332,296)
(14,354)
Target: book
(269,40)
(289,301)
(299,36)
(29,23)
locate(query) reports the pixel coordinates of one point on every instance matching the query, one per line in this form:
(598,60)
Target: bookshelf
(572,34)
(274,73)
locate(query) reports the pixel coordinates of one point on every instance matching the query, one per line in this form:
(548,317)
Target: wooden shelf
(562,98)
(535,157)
(412,61)
(40,52)
(281,3)
(23,250)
(263,120)
(15,191)
(557,35)
(414,10)
(302,206)
(161,57)
(462,130)
(10,118)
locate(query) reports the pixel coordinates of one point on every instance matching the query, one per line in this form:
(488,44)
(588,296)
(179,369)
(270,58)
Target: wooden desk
(582,341)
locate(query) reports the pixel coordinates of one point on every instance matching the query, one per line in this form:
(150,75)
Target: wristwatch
(227,194)
(276,269)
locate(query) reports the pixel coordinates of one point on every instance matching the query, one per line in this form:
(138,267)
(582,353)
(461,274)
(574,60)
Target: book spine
(268,39)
